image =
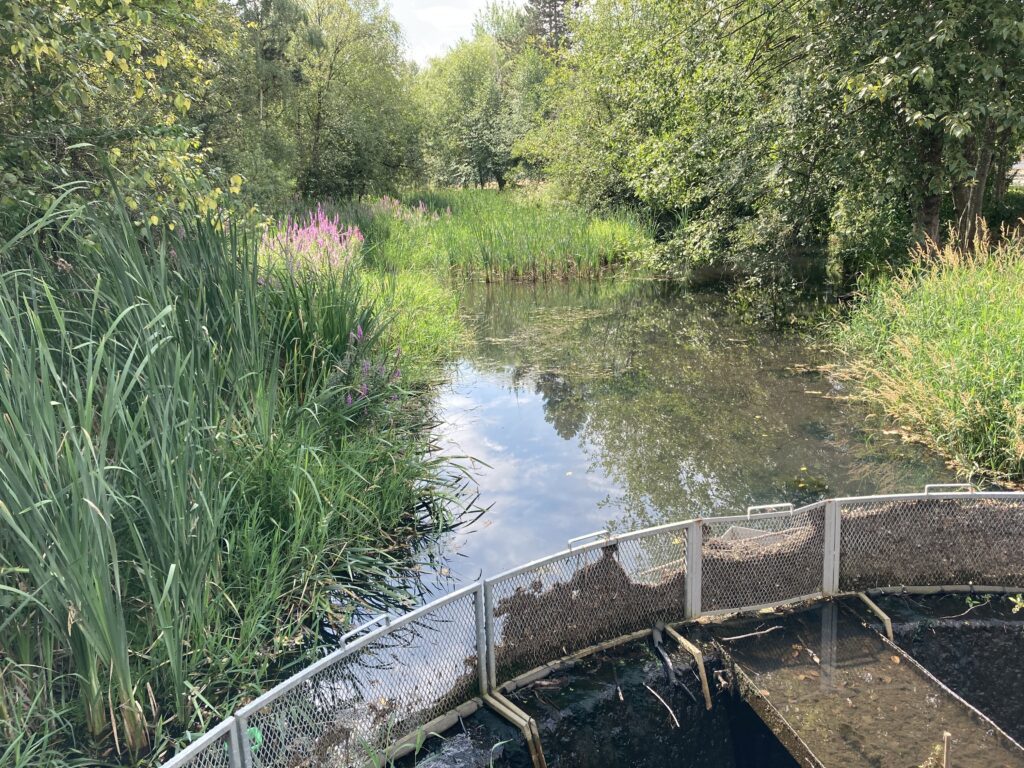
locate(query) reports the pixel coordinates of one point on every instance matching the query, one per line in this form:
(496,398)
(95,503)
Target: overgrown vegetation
(213,437)
(206,454)
(483,234)
(938,346)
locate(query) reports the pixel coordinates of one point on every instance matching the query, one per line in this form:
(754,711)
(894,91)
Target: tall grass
(939,347)
(491,235)
(201,458)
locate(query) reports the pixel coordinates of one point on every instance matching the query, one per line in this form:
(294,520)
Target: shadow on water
(626,404)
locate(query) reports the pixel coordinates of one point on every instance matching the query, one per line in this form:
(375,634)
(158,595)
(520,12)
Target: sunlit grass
(205,454)
(941,348)
(491,235)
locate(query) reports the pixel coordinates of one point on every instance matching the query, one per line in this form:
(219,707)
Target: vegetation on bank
(516,235)
(210,448)
(938,347)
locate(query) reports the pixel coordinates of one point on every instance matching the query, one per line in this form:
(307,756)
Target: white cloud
(431,27)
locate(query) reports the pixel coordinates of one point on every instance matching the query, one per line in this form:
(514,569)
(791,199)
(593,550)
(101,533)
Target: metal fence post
(235,758)
(694,550)
(483,654)
(490,662)
(830,571)
(245,744)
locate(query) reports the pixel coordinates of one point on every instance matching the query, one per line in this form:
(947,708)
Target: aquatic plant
(491,235)
(938,347)
(316,241)
(184,501)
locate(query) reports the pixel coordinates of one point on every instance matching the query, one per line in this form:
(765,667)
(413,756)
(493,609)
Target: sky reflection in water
(625,405)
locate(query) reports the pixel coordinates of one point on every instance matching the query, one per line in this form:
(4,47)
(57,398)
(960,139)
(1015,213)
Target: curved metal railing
(399,678)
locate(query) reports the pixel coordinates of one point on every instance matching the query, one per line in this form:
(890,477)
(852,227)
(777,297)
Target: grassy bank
(211,444)
(490,235)
(939,347)
(216,440)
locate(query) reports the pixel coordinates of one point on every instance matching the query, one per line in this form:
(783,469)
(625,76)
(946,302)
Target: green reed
(938,346)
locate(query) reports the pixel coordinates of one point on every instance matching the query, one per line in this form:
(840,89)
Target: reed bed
(205,456)
(939,347)
(513,235)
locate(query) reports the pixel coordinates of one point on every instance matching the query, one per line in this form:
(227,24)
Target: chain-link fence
(594,593)
(217,748)
(408,674)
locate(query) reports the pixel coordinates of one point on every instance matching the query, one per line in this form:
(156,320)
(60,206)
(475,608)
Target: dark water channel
(623,405)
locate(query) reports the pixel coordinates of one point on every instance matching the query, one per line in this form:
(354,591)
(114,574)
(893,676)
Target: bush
(938,346)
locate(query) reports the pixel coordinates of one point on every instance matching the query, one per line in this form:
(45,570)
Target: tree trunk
(969,193)
(929,224)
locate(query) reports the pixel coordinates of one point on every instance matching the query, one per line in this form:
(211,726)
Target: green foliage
(938,347)
(758,135)
(480,99)
(490,235)
(105,84)
(200,456)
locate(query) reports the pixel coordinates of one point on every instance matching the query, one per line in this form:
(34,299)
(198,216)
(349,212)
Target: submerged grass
(939,347)
(200,453)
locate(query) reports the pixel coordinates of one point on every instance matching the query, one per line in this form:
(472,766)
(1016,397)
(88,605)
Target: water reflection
(624,405)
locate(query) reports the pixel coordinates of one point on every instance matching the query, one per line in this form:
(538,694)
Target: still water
(619,405)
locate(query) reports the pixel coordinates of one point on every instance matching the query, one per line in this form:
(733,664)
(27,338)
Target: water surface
(623,405)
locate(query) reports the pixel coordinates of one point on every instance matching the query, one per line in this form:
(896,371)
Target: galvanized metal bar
(209,739)
(830,567)
(235,745)
(489,631)
(1001,495)
(785,507)
(764,606)
(694,565)
(602,534)
(886,621)
(698,657)
(482,648)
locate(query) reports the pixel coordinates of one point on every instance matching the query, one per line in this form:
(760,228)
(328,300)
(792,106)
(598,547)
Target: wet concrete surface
(853,699)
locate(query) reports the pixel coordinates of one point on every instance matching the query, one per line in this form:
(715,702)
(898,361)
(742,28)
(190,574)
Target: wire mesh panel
(762,559)
(931,541)
(217,748)
(348,708)
(578,599)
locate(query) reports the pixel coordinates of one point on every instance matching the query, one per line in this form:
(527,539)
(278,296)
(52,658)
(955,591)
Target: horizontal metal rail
(678,549)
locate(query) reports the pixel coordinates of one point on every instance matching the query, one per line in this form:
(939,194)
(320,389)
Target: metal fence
(396,679)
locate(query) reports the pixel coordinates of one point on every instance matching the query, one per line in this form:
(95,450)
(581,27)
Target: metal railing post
(830,571)
(483,654)
(235,758)
(244,743)
(694,554)
(491,664)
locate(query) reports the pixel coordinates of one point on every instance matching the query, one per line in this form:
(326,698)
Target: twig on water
(753,634)
(664,704)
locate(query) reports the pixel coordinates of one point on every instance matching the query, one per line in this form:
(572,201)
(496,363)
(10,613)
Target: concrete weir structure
(398,679)
(837,693)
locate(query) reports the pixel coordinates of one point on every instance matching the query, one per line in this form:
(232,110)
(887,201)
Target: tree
(105,87)
(352,124)
(480,99)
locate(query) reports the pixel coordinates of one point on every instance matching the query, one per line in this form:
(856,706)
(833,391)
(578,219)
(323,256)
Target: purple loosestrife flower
(364,391)
(317,243)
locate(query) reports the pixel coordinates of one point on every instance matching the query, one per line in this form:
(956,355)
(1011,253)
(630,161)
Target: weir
(837,693)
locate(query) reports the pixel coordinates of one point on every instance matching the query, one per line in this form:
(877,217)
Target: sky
(431,27)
